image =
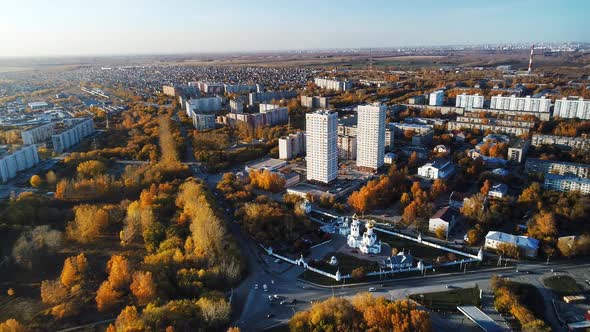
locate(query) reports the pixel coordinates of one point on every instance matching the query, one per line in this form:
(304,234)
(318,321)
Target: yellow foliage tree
(36,181)
(119,272)
(73,271)
(12,325)
(88,224)
(107,297)
(143,287)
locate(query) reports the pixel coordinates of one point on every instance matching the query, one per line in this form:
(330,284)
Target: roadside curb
(398,279)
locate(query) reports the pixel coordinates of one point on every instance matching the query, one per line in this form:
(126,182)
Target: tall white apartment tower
(370,139)
(321,145)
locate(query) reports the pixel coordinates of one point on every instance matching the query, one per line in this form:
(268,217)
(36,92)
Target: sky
(109,27)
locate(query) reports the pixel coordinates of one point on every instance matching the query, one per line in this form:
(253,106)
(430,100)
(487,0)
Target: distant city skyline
(111,27)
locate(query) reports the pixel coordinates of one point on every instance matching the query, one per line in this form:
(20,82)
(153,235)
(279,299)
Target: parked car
(372,289)
(265,287)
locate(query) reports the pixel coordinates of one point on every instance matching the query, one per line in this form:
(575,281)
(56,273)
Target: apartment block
(436,98)
(566,183)
(517,152)
(315,101)
(71,133)
(37,134)
(203,105)
(321,146)
(535,165)
(469,101)
(292,145)
(20,159)
(332,84)
(269,96)
(563,142)
(572,107)
(515,103)
(370,136)
(347,147)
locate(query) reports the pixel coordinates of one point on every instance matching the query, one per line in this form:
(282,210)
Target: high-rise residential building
(436,98)
(321,146)
(370,136)
(572,107)
(292,145)
(469,101)
(526,104)
(332,84)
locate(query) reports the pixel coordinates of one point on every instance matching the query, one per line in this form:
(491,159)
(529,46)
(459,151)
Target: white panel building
(292,145)
(572,107)
(469,101)
(436,98)
(321,145)
(370,136)
(76,129)
(332,84)
(17,160)
(527,104)
(203,105)
(37,134)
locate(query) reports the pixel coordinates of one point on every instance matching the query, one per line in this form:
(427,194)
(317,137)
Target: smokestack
(531,59)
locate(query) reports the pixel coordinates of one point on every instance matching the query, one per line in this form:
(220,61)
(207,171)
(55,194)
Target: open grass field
(448,300)
(563,285)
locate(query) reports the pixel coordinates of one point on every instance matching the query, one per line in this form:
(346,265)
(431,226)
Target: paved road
(254,316)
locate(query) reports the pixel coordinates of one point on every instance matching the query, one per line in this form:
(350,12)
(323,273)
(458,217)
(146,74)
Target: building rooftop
(445,213)
(267,163)
(518,240)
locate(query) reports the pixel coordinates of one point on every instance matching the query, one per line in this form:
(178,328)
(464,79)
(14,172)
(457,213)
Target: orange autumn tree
(143,287)
(111,290)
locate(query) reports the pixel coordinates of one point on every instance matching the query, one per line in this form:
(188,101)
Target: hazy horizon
(66,28)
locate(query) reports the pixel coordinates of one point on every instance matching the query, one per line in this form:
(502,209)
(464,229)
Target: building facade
(332,84)
(526,104)
(370,136)
(528,246)
(18,160)
(37,134)
(203,105)
(563,142)
(292,145)
(469,101)
(75,130)
(566,183)
(321,146)
(315,101)
(266,117)
(347,147)
(572,107)
(269,96)
(535,165)
(517,152)
(439,169)
(436,98)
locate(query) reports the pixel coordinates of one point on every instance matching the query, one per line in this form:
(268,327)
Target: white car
(372,289)
(255,286)
(265,287)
